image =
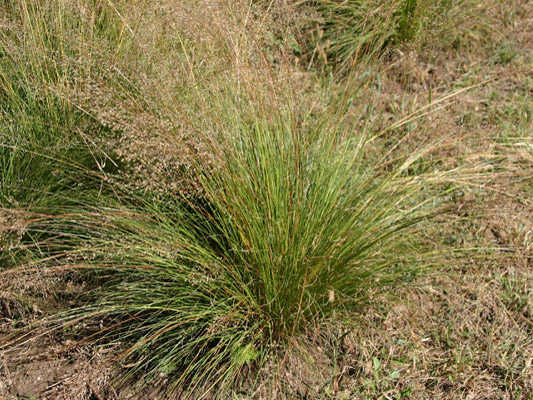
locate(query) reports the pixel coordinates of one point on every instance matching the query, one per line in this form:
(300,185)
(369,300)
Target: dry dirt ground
(467,334)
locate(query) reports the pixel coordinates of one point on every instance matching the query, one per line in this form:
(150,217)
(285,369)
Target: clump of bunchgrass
(46,136)
(295,225)
(352,31)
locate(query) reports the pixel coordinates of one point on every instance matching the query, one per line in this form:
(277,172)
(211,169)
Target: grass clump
(50,148)
(294,227)
(350,31)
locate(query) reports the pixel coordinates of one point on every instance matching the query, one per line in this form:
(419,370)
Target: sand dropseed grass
(44,150)
(294,227)
(356,31)
(44,145)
